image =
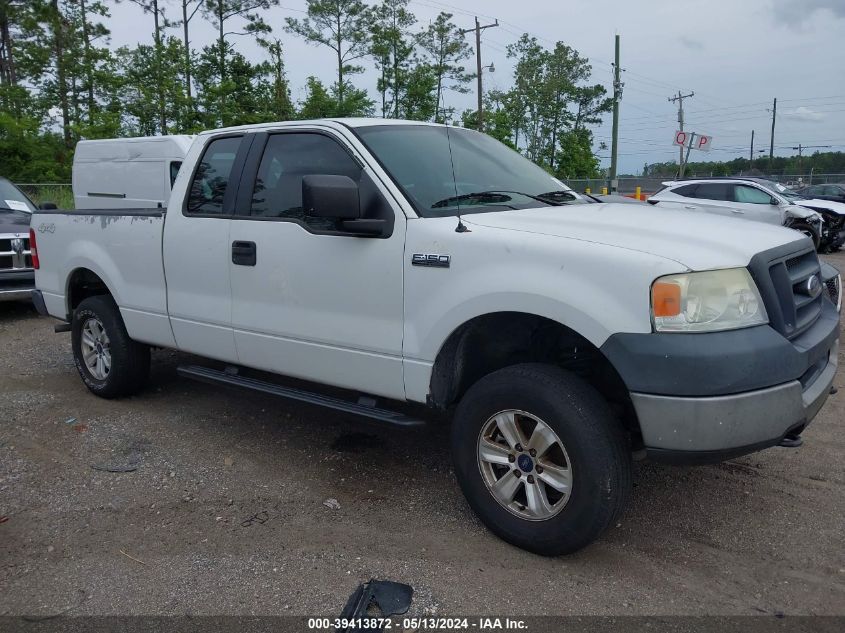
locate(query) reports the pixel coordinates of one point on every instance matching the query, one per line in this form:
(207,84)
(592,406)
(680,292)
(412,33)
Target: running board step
(231,378)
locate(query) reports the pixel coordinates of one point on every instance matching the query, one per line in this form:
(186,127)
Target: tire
(128,364)
(592,442)
(807,230)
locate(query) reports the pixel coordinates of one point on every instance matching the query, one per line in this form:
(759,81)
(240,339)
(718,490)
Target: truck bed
(121,245)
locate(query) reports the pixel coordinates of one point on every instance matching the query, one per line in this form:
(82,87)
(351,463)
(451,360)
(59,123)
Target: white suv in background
(746,198)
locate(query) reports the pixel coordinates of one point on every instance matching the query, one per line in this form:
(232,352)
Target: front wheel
(540,458)
(110,363)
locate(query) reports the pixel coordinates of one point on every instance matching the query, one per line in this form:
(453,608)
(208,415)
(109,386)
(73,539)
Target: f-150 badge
(430,259)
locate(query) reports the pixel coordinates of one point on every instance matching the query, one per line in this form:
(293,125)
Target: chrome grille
(14,252)
(833,289)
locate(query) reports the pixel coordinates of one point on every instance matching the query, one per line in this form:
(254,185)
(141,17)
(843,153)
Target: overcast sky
(735,56)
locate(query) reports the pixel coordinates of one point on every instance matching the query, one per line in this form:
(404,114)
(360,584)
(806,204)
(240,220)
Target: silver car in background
(753,199)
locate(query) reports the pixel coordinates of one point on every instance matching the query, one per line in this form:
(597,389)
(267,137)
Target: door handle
(244,253)
(690,206)
(737,211)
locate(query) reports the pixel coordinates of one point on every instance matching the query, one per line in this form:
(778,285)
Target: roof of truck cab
(134,148)
(350,122)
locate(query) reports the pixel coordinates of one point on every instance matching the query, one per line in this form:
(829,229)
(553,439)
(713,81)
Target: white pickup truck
(409,262)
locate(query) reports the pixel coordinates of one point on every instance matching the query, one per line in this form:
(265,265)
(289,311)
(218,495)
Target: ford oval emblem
(813,287)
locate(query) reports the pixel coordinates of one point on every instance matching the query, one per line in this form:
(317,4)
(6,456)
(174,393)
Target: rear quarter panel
(122,250)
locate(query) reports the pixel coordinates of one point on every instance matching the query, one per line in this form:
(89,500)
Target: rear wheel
(110,363)
(540,458)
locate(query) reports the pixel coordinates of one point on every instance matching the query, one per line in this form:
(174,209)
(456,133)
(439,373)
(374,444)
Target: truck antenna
(461,228)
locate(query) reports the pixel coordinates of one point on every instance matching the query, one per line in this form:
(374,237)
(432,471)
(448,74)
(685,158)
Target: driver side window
(287,158)
(746,193)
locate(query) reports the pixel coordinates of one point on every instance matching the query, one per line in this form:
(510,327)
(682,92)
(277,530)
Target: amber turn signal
(666,299)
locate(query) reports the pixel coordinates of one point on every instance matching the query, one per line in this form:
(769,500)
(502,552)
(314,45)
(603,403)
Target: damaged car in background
(754,199)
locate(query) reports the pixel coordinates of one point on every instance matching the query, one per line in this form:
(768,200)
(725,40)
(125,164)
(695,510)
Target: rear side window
(289,157)
(687,191)
(714,191)
(212,176)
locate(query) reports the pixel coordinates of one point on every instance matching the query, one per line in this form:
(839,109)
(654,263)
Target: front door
(307,301)
(755,204)
(196,253)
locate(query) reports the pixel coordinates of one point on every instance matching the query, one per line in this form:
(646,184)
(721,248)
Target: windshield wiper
(496,196)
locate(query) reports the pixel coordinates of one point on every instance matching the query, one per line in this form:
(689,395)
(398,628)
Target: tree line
(60,81)
(816,163)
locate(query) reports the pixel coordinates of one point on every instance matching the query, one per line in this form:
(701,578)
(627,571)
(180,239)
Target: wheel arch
(495,340)
(83,282)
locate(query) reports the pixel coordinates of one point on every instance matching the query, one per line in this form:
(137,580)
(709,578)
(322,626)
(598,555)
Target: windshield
(12,198)
(785,191)
(447,171)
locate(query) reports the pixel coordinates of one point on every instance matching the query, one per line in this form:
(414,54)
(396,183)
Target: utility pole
(772,142)
(680,101)
(801,149)
(478,28)
(617,96)
(751,155)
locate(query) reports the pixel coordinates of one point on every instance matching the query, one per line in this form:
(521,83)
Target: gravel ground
(223,511)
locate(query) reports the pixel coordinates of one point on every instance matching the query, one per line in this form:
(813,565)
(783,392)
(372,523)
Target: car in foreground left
(17,277)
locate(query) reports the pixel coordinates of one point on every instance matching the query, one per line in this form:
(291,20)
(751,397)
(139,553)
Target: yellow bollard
(604,191)
(587,190)
(638,195)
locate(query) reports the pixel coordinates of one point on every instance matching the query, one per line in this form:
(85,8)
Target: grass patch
(60,195)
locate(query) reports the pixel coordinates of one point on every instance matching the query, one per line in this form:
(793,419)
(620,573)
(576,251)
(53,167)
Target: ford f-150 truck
(406,262)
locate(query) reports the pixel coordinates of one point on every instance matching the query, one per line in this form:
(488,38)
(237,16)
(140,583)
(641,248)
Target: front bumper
(16,285)
(689,430)
(703,398)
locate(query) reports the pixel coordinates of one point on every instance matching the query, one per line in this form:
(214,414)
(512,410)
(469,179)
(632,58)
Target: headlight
(707,301)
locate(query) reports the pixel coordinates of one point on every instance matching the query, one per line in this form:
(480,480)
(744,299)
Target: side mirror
(326,196)
(774,201)
(48,206)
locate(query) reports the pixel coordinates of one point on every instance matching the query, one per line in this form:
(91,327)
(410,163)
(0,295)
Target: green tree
(220,13)
(320,103)
(282,109)
(527,93)
(392,47)
(20,35)
(446,48)
(550,99)
(189,11)
(70,69)
(152,89)
(160,22)
(575,157)
(497,119)
(341,25)
(418,99)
